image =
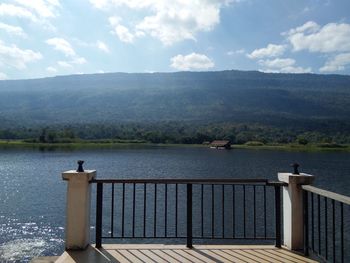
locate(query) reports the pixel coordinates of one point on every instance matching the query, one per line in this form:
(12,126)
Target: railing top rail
(192,181)
(331,195)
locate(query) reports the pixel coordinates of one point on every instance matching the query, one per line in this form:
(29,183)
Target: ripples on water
(21,241)
(32,193)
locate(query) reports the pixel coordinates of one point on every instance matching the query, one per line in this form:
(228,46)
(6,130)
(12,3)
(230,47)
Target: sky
(43,38)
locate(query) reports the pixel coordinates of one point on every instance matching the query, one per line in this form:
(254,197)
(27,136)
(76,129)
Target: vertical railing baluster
(341,232)
(189,216)
(265,228)
(166,210)
(306,222)
(233,212)
(133,209)
(333,228)
(319,223)
(99,203)
(112,211)
(312,223)
(144,208)
(123,209)
(244,216)
(278,215)
(212,210)
(176,208)
(223,210)
(254,210)
(202,210)
(155,212)
(326,226)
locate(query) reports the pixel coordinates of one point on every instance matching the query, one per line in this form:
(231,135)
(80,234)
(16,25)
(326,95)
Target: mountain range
(193,97)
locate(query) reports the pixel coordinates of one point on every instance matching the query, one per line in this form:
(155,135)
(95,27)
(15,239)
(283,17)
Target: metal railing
(325,235)
(204,209)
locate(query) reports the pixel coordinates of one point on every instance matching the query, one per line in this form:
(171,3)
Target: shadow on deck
(180,253)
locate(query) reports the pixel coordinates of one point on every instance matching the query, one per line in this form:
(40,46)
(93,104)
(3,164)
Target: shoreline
(97,145)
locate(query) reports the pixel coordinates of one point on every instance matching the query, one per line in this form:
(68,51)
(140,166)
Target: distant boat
(220,145)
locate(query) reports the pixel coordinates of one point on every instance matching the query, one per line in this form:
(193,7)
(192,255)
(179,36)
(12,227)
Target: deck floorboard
(112,253)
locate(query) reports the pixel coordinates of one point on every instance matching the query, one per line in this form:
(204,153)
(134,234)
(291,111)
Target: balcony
(204,220)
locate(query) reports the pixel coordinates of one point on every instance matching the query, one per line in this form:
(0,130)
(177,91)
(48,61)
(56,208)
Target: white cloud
(3,76)
(169,21)
(121,31)
(69,63)
(277,63)
(12,30)
(51,69)
(192,61)
(282,65)
(42,8)
(337,63)
(270,51)
(61,45)
(37,11)
(66,48)
(78,61)
(332,37)
(102,46)
(16,11)
(309,27)
(12,56)
(64,64)
(234,52)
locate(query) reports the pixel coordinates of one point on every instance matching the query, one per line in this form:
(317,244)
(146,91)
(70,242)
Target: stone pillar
(78,207)
(293,221)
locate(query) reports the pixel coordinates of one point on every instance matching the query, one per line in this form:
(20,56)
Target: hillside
(229,96)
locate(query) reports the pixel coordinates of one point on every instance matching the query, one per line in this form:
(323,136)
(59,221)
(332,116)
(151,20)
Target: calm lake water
(32,193)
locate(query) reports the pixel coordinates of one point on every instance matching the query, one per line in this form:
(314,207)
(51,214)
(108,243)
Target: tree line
(177,133)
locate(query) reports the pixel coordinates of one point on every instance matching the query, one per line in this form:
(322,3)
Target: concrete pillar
(293,221)
(78,208)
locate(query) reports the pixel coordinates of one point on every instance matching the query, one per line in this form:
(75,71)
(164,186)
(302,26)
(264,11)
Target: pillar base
(293,220)
(78,208)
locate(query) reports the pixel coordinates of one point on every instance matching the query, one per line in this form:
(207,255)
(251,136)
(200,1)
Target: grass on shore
(130,144)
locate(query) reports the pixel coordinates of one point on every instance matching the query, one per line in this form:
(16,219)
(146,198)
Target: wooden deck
(179,254)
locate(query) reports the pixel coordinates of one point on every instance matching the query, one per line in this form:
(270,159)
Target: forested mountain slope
(237,96)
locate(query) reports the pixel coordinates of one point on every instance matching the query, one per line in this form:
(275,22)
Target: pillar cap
(301,178)
(88,174)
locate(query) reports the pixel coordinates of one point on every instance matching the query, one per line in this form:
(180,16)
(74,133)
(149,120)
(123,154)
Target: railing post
(293,212)
(306,223)
(189,215)
(278,215)
(99,205)
(78,207)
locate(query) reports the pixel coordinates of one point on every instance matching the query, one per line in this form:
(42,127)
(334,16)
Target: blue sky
(40,38)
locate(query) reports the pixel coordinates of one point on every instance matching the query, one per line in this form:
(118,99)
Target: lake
(32,193)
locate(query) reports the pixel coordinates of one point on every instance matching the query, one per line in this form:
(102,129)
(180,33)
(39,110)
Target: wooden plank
(241,256)
(259,255)
(166,256)
(247,255)
(273,256)
(197,253)
(176,253)
(125,253)
(285,257)
(292,255)
(118,256)
(222,257)
(331,195)
(153,255)
(141,256)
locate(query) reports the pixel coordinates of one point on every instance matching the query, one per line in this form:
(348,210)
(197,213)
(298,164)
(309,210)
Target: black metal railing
(326,226)
(205,209)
